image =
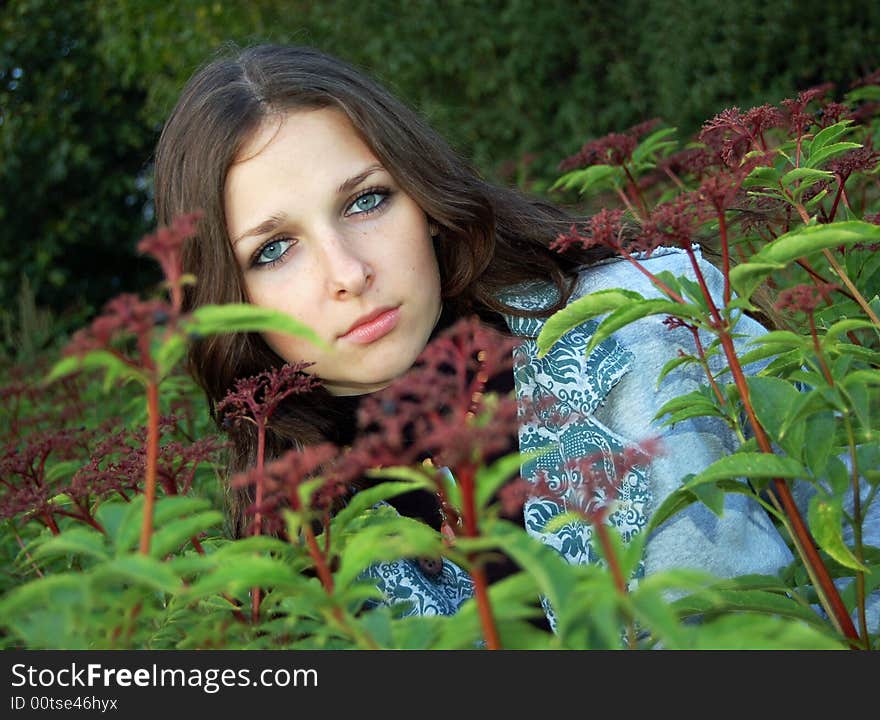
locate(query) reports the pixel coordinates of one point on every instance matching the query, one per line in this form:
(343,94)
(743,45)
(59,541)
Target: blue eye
(368,202)
(272,252)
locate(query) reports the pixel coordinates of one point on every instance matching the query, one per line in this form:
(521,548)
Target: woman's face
(322,232)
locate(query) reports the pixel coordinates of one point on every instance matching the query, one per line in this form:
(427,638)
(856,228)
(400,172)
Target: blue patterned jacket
(612,398)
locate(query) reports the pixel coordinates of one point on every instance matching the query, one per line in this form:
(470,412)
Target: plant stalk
(151,463)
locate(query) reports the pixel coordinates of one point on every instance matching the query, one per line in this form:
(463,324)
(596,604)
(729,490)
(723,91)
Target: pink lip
(373,326)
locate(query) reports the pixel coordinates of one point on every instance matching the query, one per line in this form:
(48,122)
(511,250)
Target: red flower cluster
(804,298)
(612,149)
(124,316)
(255,399)
(731,134)
(604,229)
(590,485)
(440,409)
(799,119)
(282,481)
(24,474)
(166,246)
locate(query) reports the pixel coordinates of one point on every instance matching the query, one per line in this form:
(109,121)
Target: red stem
(725,254)
(607,550)
(152,460)
(791,510)
(465,476)
(799,528)
(318,558)
(656,281)
(258,517)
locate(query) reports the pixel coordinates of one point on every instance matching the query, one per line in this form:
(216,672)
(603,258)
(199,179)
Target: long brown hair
(491,237)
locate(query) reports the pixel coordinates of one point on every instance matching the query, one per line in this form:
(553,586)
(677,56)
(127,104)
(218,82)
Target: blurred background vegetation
(516,85)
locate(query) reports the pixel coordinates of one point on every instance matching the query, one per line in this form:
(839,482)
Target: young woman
(325,197)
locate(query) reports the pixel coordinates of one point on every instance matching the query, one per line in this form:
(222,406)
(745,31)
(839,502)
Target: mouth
(372,326)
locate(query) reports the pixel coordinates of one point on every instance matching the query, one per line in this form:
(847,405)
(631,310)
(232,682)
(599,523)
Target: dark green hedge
(84,87)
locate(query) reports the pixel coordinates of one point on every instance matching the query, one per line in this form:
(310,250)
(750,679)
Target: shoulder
(618,272)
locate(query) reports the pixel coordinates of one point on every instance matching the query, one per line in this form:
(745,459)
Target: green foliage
(73,157)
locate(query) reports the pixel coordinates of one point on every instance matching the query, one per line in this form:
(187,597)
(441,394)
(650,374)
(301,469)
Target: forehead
(292,158)
(304,134)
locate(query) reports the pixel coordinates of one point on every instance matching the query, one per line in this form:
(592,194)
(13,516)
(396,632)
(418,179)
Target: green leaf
(716,599)
(862,377)
(828,135)
(129,528)
(762,176)
(829,152)
(140,570)
(75,540)
(825,515)
(568,180)
(579,311)
(772,400)
(654,613)
(804,173)
(784,338)
(393,539)
(758,354)
(176,506)
(844,326)
(583,178)
(683,497)
(362,500)
(712,496)
(748,631)
(749,465)
(242,317)
(170,352)
(170,537)
(489,479)
(598,177)
(818,440)
(670,280)
(694,399)
(652,143)
(546,567)
(813,238)
(696,410)
(42,592)
(115,368)
(799,243)
(636,310)
(747,276)
(253,544)
(815,199)
(868,92)
(240,572)
(672,364)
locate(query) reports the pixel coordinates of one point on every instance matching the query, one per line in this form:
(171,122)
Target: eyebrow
(271,223)
(267,226)
(356,180)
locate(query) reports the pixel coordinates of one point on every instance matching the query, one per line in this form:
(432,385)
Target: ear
(433,229)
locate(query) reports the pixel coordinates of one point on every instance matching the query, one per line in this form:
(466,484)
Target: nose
(348,274)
